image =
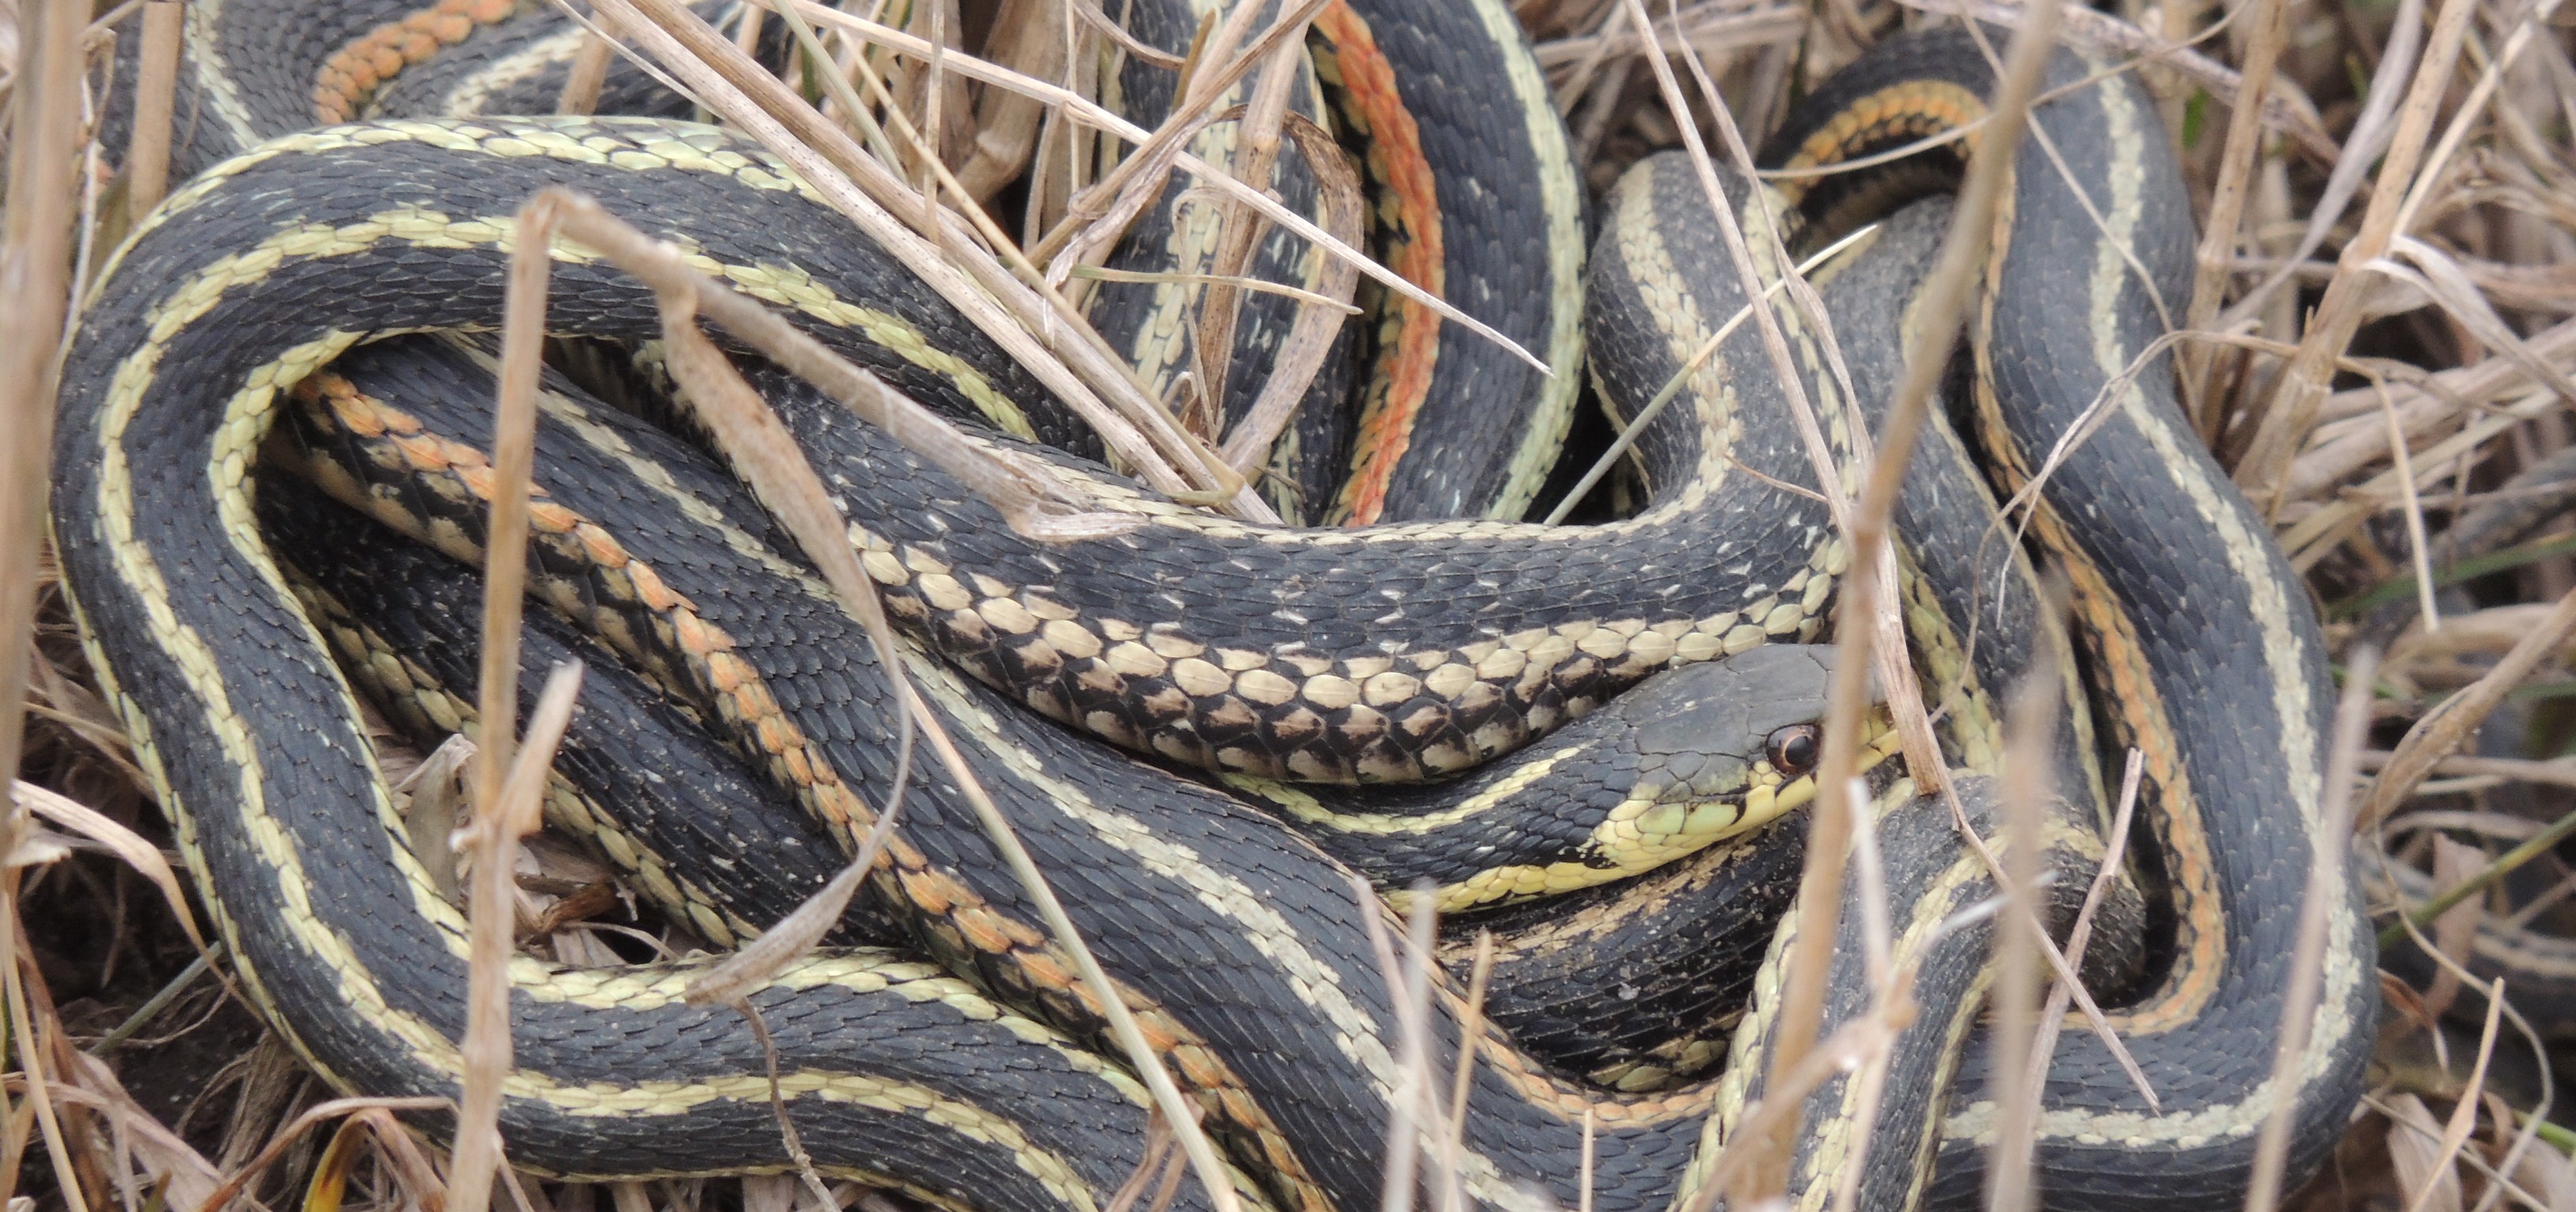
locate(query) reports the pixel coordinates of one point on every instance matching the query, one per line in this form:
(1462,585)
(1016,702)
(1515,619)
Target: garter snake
(2204,653)
(1236,943)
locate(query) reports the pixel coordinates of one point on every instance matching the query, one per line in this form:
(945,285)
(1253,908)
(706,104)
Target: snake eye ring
(1793,750)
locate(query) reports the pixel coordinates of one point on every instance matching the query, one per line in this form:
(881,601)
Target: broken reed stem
(2235,168)
(2441,731)
(761,451)
(156,86)
(1255,161)
(493,840)
(498,824)
(35,278)
(2292,411)
(2327,847)
(1939,309)
(1479,975)
(31,1048)
(2014,1004)
(589,70)
(514,446)
(1763,1173)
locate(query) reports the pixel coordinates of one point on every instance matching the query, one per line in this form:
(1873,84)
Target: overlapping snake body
(2191,619)
(1237,943)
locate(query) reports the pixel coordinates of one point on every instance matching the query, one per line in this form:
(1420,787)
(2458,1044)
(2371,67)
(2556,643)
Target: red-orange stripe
(351,76)
(1409,212)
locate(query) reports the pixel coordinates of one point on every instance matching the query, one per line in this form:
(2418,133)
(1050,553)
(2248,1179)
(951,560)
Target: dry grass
(2387,309)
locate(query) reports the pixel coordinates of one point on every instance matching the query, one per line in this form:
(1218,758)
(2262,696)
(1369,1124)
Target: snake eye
(1793,750)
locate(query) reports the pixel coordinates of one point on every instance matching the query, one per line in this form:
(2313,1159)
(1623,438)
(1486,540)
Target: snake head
(1725,747)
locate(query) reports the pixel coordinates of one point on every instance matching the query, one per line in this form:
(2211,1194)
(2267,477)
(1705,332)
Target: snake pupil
(1793,750)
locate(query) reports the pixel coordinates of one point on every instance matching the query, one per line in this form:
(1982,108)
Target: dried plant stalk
(1939,312)
(147,157)
(2307,966)
(2285,422)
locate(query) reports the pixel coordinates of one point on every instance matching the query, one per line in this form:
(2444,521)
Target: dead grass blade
(2235,167)
(2052,1017)
(501,819)
(2539,843)
(376,1126)
(507,783)
(2455,929)
(1479,973)
(147,156)
(2415,1150)
(2553,772)
(1200,88)
(287,1135)
(1037,502)
(589,69)
(1256,161)
(36,242)
(1319,319)
(159,1001)
(1032,37)
(2439,278)
(2013,1003)
(2370,135)
(2418,546)
(2289,114)
(184,1177)
(437,791)
(1939,310)
(1673,386)
(1877,942)
(2469,111)
(2284,423)
(1411,1126)
(2343,447)
(2327,848)
(30,1046)
(1702,25)
(2441,731)
(129,848)
(2464,1113)
(795,934)
(1888,653)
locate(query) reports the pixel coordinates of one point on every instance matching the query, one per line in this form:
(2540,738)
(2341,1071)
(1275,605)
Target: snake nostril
(1793,750)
